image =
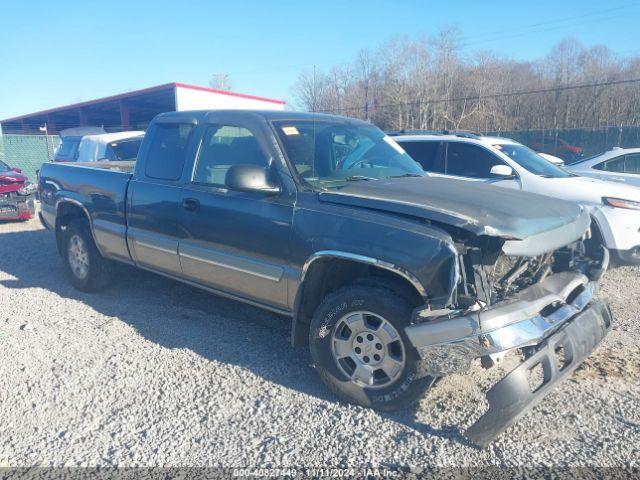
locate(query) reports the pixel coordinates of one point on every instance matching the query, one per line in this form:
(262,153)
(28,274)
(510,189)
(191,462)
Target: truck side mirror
(250,178)
(503,171)
(17,170)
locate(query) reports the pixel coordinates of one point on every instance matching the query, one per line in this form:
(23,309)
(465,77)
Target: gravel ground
(155,373)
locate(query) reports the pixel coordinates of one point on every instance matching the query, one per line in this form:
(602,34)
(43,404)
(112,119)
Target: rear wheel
(360,350)
(87,270)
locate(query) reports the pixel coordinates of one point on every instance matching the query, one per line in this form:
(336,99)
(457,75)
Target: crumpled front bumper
(448,345)
(559,311)
(558,356)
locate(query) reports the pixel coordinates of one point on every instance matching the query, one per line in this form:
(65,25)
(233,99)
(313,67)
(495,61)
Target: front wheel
(361,351)
(87,270)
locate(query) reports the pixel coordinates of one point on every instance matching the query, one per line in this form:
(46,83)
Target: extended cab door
(236,242)
(155,194)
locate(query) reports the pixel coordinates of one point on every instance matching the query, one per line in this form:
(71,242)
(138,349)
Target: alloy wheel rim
(78,257)
(368,349)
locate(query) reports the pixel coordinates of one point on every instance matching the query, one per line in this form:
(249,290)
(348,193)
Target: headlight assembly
(621,203)
(27,189)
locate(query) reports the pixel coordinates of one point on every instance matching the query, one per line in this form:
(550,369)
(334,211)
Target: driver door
(467,161)
(236,242)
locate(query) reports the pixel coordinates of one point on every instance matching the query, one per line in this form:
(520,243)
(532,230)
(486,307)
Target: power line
(503,34)
(570,19)
(494,95)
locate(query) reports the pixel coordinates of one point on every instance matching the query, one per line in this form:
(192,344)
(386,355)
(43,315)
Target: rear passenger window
(224,146)
(632,163)
(466,160)
(427,154)
(168,150)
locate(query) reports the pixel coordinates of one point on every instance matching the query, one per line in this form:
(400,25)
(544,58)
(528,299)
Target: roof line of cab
(198,116)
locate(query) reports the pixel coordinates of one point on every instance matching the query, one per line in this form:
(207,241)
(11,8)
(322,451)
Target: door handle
(190,204)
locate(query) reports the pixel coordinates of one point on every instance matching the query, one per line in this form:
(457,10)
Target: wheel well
(67,212)
(326,275)
(594,243)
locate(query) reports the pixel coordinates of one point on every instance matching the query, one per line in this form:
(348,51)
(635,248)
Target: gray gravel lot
(152,372)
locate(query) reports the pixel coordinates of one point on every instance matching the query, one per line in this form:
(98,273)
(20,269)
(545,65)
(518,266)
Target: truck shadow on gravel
(175,315)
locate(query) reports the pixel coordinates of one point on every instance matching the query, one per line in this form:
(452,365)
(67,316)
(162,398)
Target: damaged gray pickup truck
(392,278)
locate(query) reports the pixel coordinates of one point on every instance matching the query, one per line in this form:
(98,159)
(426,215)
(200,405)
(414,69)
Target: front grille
(509,275)
(11,209)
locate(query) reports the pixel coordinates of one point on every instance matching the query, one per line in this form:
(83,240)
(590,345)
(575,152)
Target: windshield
(531,161)
(4,167)
(580,160)
(124,149)
(68,149)
(328,155)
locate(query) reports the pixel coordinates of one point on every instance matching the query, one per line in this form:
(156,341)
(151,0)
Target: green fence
(27,152)
(573,143)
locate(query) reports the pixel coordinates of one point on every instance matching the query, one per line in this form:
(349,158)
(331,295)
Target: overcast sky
(56,53)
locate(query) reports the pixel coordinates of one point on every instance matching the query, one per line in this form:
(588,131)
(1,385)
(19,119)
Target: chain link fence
(28,152)
(571,144)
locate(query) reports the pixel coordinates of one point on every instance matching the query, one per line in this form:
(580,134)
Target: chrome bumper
(448,345)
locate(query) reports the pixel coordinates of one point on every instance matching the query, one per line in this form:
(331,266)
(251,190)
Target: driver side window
(222,147)
(466,160)
(623,164)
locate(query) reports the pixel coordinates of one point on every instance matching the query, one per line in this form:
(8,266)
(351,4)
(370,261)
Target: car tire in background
(87,270)
(360,349)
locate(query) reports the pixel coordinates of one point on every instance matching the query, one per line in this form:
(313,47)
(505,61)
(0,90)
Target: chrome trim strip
(368,260)
(154,247)
(221,293)
(209,261)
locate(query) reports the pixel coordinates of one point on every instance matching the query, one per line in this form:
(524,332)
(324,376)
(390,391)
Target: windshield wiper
(357,178)
(404,175)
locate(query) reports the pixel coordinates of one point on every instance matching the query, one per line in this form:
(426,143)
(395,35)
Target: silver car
(617,165)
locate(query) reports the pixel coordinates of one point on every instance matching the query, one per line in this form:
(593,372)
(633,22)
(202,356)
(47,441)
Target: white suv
(614,208)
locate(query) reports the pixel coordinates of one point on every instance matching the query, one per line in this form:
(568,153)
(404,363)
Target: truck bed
(108,165)
(100,189)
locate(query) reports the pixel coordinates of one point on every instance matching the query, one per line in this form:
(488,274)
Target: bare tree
(220,81)
(427,83)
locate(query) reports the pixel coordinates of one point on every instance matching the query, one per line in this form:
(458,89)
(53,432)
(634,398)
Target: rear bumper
(513,396)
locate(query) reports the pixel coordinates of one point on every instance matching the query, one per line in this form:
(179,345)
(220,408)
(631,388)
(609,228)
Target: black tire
(99,269)
(404,390)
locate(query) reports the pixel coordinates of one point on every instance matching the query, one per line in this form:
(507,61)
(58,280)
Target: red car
(16,194)
(558,147)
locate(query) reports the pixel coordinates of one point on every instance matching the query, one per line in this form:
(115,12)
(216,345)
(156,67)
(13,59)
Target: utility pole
(46,139)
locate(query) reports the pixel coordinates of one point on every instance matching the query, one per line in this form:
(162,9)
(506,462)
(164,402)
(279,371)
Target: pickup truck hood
(475,207)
